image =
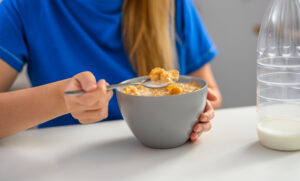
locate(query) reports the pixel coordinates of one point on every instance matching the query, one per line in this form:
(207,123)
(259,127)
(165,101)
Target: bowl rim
(203,88)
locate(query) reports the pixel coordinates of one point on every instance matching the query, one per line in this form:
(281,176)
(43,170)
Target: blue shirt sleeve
(199,47)
(13,49)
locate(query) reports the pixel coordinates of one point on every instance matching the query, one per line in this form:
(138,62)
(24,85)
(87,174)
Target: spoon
(146,83)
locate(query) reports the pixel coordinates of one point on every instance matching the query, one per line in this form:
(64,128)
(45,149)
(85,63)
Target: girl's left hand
(204,119)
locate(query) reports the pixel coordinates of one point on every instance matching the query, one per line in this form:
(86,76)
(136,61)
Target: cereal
(159,74)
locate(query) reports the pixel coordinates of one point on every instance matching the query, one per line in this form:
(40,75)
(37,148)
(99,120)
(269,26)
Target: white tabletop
(109,151)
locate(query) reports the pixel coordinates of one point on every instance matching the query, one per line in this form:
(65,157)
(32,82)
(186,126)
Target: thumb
(211,96)
(87,81)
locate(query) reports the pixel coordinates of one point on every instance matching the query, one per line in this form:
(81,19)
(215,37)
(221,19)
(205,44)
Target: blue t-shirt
(58,39)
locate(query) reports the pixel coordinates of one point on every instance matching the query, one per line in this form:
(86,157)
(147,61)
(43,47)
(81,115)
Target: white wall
(230,24)
(22,81)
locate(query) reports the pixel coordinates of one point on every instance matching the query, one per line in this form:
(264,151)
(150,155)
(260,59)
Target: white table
(109,151)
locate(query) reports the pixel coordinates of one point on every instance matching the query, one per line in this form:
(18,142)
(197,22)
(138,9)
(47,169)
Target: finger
(87,81)
(109,95)
(193,137)
(206,126)
(102,86)
(77,107)
(105,110)
(97,96)
(87,121)
(211,95)
(96,115)
(90,99)
(198,128)
(208,113)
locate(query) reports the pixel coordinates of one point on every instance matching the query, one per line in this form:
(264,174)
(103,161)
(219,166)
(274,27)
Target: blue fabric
(60,38)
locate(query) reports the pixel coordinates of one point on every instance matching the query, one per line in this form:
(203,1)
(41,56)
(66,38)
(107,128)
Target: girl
(70,44)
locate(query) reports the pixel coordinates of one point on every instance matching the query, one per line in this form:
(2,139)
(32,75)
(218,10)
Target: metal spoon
(146,83)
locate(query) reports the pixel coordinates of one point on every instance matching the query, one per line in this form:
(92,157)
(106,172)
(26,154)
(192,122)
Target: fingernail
(204,119)
(194,136)
(199,129)
(90,86)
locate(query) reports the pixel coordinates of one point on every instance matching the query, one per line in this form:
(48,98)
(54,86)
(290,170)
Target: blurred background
(232,25)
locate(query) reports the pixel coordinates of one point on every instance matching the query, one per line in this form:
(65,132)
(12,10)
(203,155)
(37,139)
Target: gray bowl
(163,121)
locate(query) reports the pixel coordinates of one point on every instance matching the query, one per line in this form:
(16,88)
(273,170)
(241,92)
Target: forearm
(206,73)
(23,109)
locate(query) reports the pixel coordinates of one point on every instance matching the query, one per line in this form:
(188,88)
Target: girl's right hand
(91,106)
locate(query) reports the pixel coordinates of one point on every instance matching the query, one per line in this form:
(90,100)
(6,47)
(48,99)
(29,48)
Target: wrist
(61,96)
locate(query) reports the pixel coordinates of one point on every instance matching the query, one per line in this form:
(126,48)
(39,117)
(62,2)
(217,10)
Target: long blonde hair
(149,34)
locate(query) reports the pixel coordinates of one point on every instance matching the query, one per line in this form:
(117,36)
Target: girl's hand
(91,106)
(204,119)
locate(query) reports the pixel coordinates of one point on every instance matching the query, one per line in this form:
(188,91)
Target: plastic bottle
(278,76)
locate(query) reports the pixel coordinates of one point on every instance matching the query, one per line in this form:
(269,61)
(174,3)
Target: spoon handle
(110,87)
(74,93)
(115,86)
